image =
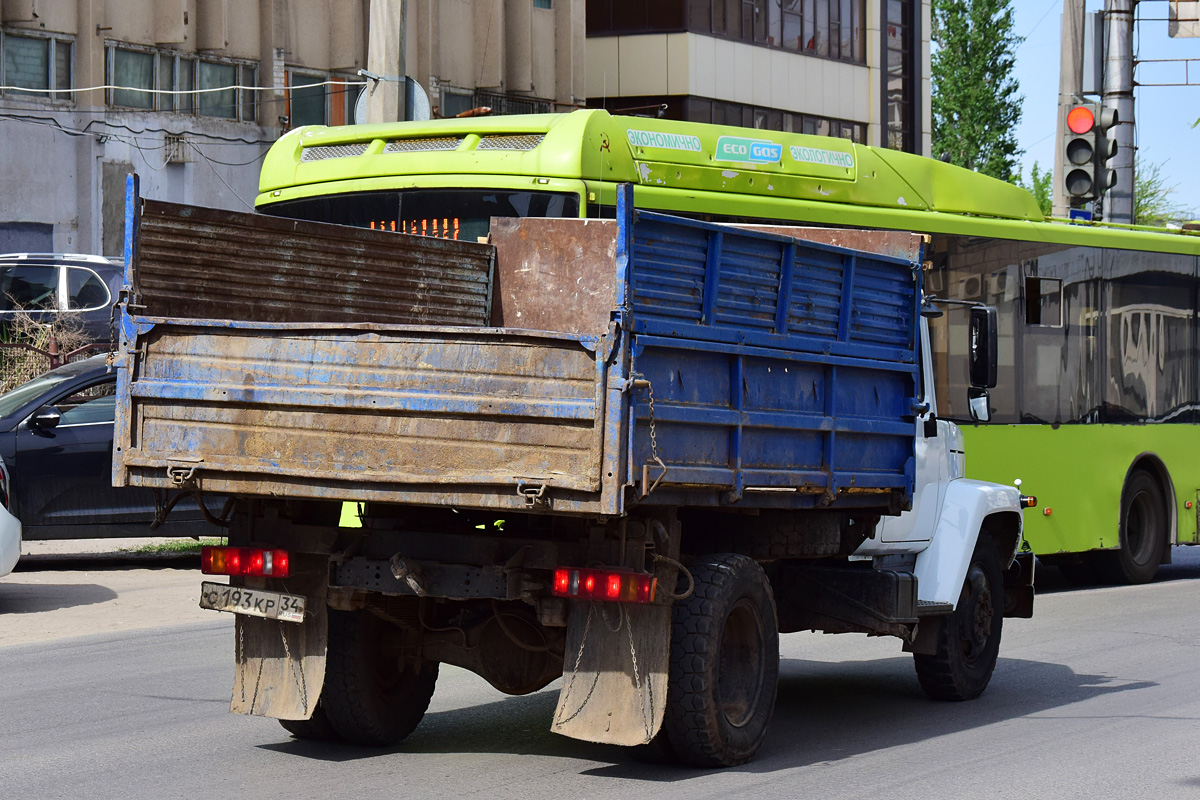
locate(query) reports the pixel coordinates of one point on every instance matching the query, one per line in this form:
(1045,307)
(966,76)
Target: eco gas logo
(751,151)
(665,141)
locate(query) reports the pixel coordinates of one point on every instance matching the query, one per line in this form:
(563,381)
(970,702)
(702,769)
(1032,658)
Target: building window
(826,28)
(320,98)
(455,101)
(899,90)
(720,112)
(542,4)
(36,62)
(145,77)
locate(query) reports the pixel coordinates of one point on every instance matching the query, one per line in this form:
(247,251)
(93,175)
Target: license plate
(253,602)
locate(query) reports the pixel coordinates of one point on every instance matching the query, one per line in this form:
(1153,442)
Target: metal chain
(240,656)
(575,671)
(653,433)
(637,681)
(299,667)
(653,441)
(257,683)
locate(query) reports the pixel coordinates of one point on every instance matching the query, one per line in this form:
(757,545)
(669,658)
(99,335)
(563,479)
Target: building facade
(190,94)
(858,69)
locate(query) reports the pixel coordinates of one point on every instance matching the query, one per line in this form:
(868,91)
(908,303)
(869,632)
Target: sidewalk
(40,554)
(63,589)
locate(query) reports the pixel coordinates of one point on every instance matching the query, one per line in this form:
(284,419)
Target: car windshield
(26,392)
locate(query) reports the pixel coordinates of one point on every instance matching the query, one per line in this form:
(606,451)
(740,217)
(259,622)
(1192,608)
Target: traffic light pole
(1118,94)
(1070,85)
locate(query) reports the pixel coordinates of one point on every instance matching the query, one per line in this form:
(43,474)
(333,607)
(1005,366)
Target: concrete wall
(500,45)
(63,164)
(691,64)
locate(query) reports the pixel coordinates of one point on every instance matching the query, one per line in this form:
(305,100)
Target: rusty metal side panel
(328,411)
(203,263)
(555,274)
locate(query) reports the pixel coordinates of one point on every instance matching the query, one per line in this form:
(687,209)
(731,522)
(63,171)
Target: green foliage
(975,102)
(1152,203)
(1038,186)
(174,547)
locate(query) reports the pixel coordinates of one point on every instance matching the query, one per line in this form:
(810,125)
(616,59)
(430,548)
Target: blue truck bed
(646,360)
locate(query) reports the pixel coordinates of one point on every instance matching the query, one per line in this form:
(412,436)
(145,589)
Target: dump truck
(624,453)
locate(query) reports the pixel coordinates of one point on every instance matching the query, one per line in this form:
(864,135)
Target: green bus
(1097,406)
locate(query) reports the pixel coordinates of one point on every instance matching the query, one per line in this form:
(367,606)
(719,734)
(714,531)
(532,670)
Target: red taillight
(562,581)
(594,584)
(251,561)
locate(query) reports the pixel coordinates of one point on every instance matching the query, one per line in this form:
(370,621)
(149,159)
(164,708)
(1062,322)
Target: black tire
(968,642)
(1143,533)
(316,728)
(724,664)
(371,696)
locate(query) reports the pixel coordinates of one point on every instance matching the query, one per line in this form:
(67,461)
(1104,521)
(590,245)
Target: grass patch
(177,547)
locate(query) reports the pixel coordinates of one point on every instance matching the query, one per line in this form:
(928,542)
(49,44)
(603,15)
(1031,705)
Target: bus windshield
(447,213)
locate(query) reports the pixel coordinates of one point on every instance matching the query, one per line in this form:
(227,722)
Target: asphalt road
(1094,698)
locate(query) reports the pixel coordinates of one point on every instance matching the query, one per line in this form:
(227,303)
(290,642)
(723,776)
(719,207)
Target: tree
(975,105)
(1038,186)
(1152,204)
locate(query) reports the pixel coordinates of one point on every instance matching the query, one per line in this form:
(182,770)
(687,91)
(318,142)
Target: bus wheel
(1143,533)
(724,663)
(372,696)
(969,640)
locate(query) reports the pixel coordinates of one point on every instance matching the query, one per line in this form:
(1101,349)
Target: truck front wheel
(724,664)
(372,696)
(968,643)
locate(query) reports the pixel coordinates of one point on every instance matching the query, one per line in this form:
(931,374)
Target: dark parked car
(56,438)
(49,285)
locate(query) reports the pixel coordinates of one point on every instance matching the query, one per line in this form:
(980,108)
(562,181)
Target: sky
(1163,115)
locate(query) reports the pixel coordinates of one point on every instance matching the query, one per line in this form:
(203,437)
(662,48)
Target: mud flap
(614,686)
(281,665)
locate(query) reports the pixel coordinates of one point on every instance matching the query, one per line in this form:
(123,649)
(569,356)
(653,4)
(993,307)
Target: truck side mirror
(981,349)
(977,403)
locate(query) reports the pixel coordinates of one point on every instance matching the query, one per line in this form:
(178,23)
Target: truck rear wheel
(724,664)
(315,728)
(968,643)
(372,696)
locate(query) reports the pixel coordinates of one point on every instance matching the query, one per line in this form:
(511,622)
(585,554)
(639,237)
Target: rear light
(595,584)
(251,561)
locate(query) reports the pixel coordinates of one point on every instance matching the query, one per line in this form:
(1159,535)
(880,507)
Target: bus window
(445,213)
(1043,302)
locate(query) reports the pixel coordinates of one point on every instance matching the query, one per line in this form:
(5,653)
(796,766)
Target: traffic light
(1079,152)
(1106,148)
(1087,148)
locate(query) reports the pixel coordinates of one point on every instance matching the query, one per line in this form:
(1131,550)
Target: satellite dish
(416,101)
(360,107)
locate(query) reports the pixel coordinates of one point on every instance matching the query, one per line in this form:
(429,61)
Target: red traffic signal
(1081,119)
